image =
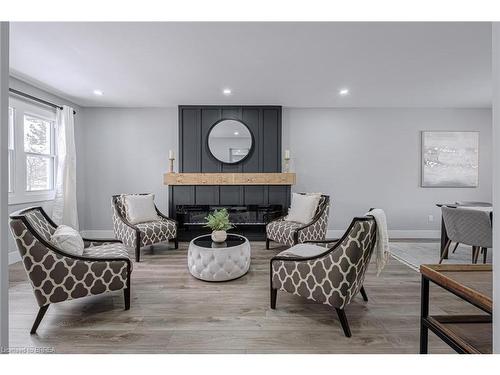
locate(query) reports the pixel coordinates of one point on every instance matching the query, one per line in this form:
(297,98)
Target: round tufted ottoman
(212,261)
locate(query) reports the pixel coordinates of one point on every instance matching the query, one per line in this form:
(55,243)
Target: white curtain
(64,210)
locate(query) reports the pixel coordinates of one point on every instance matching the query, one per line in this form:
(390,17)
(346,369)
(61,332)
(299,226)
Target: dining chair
(469,227)
(473,203)
(470,204)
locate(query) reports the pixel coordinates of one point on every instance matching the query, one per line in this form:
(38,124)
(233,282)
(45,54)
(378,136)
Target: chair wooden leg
(138,249)
(126,295)
(267,243)
(176,243)
(455,248)
(39,317)
(445,251)
(363,294)
(344,322)
(274,295)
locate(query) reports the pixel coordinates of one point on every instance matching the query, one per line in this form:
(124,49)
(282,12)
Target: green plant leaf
(218,220)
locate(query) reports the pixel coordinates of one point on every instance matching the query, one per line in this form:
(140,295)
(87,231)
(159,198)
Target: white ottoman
(210,261)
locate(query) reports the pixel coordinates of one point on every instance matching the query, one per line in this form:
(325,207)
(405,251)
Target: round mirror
(230,141)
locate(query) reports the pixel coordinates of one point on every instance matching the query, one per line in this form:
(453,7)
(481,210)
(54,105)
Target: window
(32,158)
(39,154)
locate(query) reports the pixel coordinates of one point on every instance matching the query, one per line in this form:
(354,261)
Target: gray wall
(368,158)
(361,157)
(125,151)
(47,205)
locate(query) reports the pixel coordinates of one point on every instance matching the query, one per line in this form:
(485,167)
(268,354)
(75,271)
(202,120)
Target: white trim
(31,197)
(97,234)
(331,233)
(14,257)
(496,182)
(395,234)
(4,231)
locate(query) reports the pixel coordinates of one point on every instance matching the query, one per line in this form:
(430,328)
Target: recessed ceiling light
(344,92)
(98,92)
(226,91)
(236,133)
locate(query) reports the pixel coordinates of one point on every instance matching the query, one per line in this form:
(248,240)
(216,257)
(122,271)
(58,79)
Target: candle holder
(171,157)
(287,166)
(171,165)
(287,161)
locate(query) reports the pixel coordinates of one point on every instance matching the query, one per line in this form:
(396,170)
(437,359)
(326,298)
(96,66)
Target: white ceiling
(290,64)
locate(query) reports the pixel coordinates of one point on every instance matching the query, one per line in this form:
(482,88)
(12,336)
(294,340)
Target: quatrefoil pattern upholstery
(331,276)
(290,233)
(157,231)
(40,224)
(56,276)
(143,234)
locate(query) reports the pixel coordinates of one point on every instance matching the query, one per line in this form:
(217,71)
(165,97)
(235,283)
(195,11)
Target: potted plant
(218,221)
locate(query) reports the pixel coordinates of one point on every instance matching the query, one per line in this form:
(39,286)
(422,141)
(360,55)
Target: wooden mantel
(229,178)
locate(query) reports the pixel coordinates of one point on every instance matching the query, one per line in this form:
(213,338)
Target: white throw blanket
(382,242)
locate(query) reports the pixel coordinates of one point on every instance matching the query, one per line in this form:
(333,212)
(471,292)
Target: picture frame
(450,159)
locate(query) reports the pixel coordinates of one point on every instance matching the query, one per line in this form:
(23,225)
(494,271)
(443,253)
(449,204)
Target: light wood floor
(172,312)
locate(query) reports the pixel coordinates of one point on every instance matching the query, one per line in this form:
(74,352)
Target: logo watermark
(28,350)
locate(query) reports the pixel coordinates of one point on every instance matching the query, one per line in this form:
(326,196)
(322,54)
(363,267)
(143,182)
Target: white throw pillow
(303,207)
(68,240)
(140,208)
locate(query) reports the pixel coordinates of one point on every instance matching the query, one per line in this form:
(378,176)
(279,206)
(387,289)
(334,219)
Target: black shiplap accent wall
(195,123)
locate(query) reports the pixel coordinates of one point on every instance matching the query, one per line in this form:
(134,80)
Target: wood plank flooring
(172,312)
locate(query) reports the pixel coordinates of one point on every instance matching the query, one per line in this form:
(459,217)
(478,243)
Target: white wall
(125,151)
(368,158)
(4,271)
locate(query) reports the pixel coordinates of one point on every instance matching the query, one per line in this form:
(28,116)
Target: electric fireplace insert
(248,220)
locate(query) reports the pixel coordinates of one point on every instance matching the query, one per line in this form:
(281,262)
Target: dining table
(444,234)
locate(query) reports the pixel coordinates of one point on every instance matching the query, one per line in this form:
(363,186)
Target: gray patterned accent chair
(332,275)
(57,276)
(290,233)
(143,234)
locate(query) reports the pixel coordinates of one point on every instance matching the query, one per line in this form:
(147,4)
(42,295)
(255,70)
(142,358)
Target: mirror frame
(250,151)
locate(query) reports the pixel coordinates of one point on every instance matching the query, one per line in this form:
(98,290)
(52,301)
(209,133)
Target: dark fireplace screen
(194,215)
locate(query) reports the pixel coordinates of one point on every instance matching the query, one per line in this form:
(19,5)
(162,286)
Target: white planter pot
(219,235)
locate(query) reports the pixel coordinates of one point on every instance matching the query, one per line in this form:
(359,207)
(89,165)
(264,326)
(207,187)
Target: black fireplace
(250,206)
(248,220)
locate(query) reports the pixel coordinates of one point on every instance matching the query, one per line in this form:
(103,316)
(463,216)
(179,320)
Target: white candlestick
(171,154)
(287,154)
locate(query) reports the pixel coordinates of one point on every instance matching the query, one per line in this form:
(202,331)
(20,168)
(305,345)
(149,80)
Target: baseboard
(395,234)
(331,233)
(14,257)
(95,233)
